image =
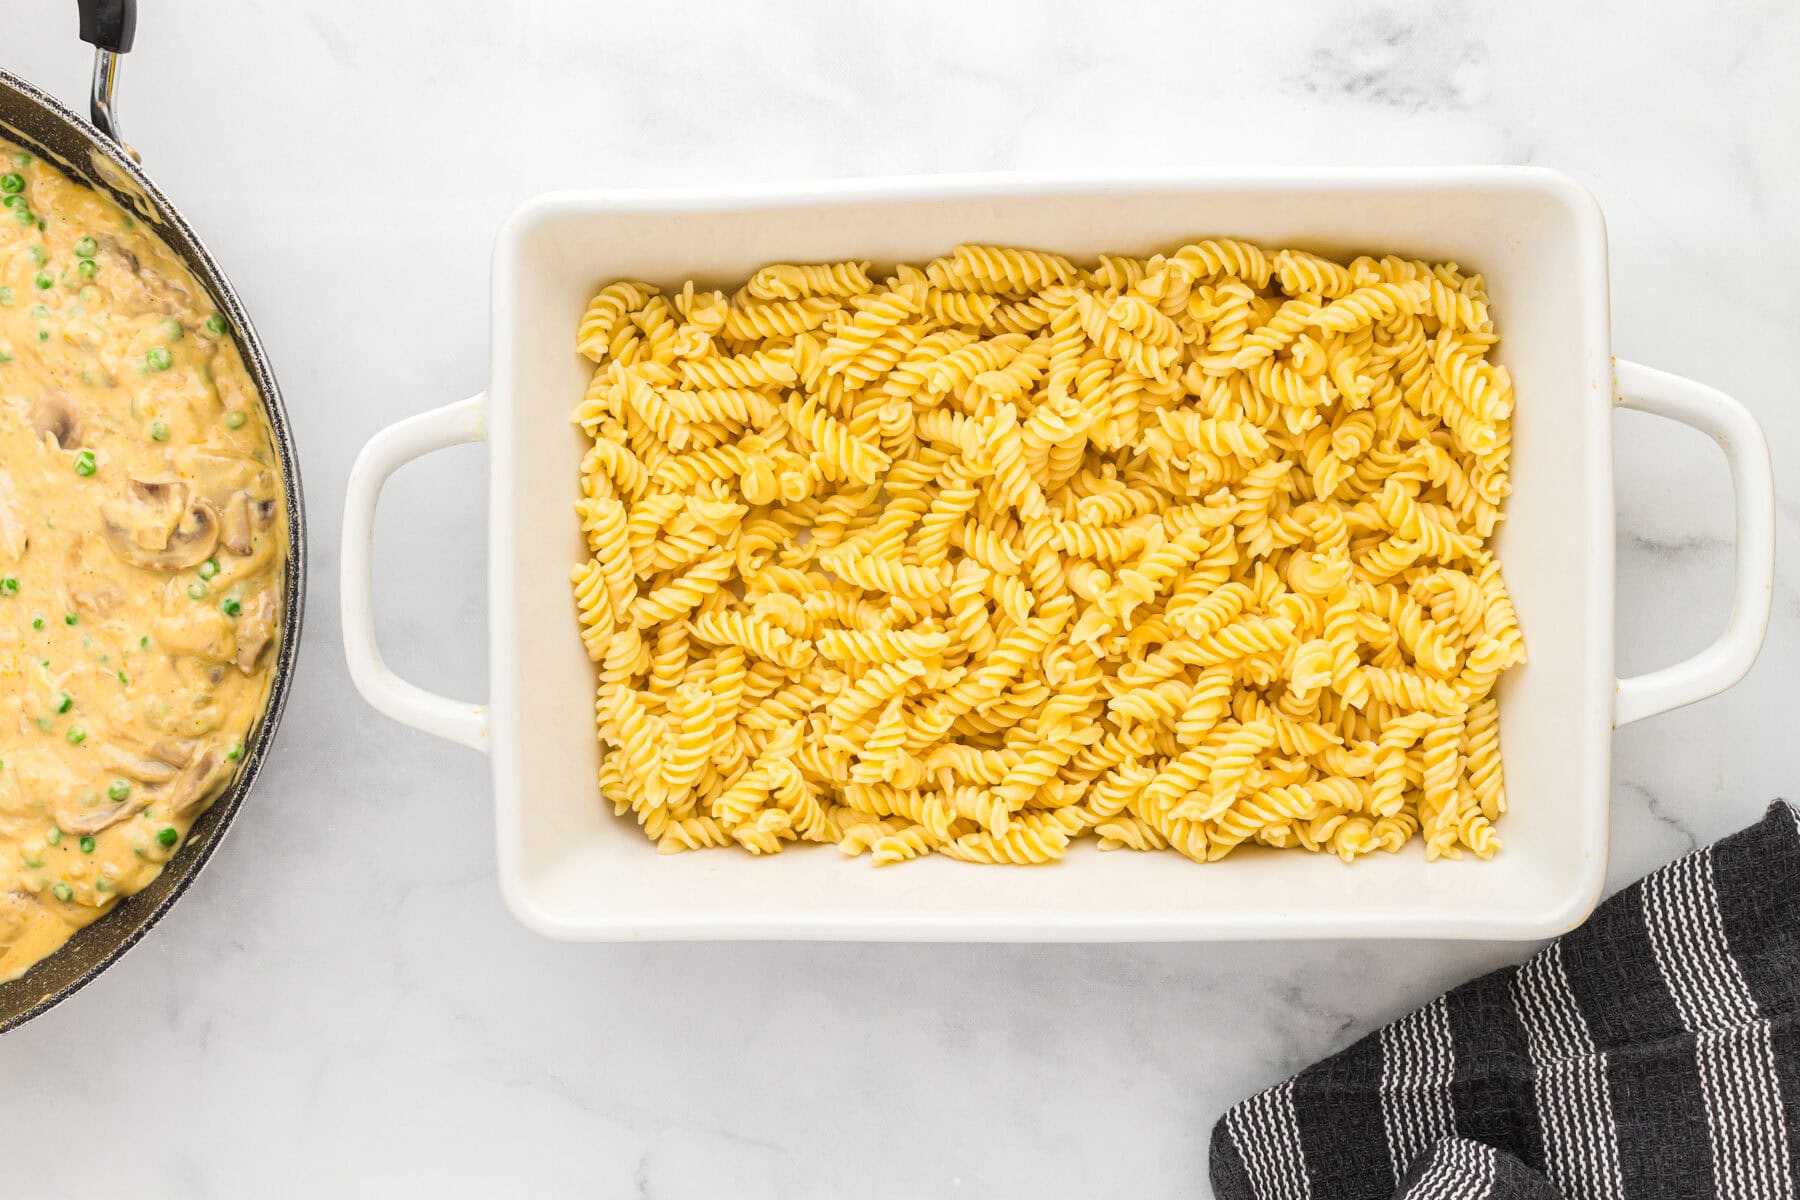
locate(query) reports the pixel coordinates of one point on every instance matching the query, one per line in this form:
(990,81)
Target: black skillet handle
(109,24)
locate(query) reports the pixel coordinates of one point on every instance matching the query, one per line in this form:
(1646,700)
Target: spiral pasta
(989,556)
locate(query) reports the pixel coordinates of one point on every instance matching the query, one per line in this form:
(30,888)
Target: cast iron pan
(94,154)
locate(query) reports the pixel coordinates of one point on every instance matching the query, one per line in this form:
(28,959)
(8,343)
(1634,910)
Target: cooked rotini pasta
(982,558)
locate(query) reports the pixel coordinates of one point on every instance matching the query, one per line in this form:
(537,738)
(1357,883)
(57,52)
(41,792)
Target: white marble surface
(342,1001)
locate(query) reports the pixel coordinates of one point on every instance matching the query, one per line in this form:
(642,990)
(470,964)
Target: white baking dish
(571,870)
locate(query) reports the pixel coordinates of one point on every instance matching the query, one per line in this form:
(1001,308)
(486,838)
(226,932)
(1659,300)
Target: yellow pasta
(981,558)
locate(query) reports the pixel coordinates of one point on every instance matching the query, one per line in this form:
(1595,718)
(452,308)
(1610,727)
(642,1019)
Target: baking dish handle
(386,452)
(1730,424)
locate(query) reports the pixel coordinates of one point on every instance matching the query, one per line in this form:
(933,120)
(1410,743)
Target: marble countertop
(342,997)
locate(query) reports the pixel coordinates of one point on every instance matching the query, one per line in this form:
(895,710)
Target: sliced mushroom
(197,782)
(263,511)
(160,764)
(57,416)
(144,770)
(255,633)
(90,820)
(149,511)
(196,536)
(154,526)
(234,524)
(179,752)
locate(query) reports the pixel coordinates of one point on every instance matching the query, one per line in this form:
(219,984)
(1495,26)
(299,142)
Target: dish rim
(816,922)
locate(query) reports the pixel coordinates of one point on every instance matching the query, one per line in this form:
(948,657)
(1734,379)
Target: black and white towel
(1653,1052)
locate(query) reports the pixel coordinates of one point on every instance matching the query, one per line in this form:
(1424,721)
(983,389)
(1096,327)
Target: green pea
(53,835)
(6,295)
(63,892)
(234,751)
(235,419)
(12,182)
(37,622)
(197,590)
(16,202)
(124,679)
(167,837)
(87,845)
(44,281)
(143,643)
(158,358)
(87,268)
(5,357)
(119,791)
(23,216)
(84,463)
(39,312)
(32,860)
(159,431)
(86,247)
(9,586)
(103,885)
(38,256)
(71,618)
(172,329)
(76,735)
(22,159)
(209,568)
(230,607)
(66,703)
(43,335)
(215,325)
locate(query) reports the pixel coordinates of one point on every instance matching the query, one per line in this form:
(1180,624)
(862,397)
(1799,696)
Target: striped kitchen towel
(1653,1052)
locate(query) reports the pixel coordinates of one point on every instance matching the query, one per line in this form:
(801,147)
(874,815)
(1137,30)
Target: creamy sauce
(142,547)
